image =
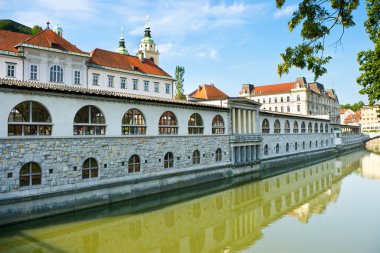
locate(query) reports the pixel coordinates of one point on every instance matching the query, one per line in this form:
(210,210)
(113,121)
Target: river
(330,206)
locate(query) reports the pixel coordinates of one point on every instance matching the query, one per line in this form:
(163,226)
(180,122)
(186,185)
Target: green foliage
(317,18)
(36,29)
(354,107)
(10,25)
(369,60)
(179,73)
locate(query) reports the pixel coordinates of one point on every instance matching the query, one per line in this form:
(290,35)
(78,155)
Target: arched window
(321,128)
(266,149)
(303,127)
(265,127)
(277,126)
(295,127)
(287,127)
(295,146)
(134,164)
(327,142)
(133,123)
(169,160)
(298,98)
(90,168)
(195,124)
(168,123)
(321,143)
(326,128)
(316,144)
(218,125)
(30,174)
(277,148)
(287,147)
(303,145)
(310,144)
(310,128)
(56,74)
(316,128)
(196,157)
(218,155)
(29,118)
(89,120)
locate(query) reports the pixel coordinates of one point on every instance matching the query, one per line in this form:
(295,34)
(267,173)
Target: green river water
(330,206)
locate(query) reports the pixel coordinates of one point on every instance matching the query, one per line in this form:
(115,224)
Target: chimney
(140,55)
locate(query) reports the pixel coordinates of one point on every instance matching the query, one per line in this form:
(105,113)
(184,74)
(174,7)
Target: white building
(370,120)
(49,58)
(297,97)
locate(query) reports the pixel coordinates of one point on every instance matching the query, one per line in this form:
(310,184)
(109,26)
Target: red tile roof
(126,62)
(208,91)
(49,39)
(273,88)
(9,39)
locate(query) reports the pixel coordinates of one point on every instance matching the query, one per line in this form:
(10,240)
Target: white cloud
(285,11)
(179,18)
(207,53)
(165,48)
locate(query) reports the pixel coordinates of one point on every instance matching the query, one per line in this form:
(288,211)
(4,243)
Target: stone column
(249,153)
(243,154)
(233,120)
(244,123)
(249,122)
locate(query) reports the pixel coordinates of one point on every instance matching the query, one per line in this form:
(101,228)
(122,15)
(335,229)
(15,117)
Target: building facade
(370,120)
(297,97)
(48,57)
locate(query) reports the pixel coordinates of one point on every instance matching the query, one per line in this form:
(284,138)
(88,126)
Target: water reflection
(227,221)
(370,164)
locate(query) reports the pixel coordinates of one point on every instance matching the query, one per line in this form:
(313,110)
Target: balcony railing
(246,138)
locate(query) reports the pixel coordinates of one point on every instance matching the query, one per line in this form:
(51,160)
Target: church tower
(121,49)
(57,29)
(147,48)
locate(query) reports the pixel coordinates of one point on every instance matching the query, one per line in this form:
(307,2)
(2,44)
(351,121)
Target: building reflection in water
(370,164)
(227,221)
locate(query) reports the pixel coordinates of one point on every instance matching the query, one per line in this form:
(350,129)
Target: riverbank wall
(40,204)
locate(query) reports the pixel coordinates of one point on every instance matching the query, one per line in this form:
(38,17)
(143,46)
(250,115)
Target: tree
(36,29)
(179,73)
(318,18)
(354,107)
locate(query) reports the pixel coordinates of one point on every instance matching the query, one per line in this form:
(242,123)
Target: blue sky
(227,43)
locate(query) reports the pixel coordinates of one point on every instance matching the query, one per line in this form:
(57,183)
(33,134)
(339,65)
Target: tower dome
(58,30)
(121,49)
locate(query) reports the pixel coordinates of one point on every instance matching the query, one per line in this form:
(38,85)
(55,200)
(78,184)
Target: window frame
(195,124)
(90,169)
(10,69)
(28,126)
(134,164)
(95,79)
(33,73)
(169,160)
(165,126)
(77,77)
(30,175)
(89,128)
(138,125)
(196,157)
(56,74)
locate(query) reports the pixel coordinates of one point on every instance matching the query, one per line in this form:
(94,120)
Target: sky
(226,43)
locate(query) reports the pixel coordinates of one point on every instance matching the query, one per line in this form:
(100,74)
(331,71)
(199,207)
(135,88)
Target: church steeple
(147,48)
(121,49)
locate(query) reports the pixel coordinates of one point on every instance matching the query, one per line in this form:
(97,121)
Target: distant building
(370,119)
(297,97)
(344,113)
(206,92)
